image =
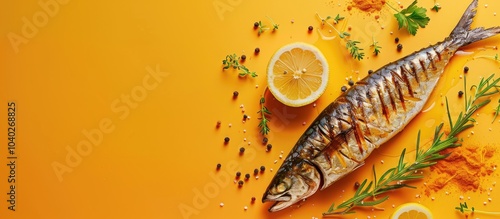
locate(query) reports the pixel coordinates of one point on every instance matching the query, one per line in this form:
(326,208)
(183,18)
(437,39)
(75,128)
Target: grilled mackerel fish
(371,112)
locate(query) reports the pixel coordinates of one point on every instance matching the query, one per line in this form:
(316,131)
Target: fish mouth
(276,198)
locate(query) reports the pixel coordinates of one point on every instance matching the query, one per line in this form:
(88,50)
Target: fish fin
(463,35)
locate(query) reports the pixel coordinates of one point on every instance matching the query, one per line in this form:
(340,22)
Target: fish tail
(462,35)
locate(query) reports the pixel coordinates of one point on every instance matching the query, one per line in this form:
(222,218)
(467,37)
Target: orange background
(82,67)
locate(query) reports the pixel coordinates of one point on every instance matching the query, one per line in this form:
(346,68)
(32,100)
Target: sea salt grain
(245,208)
(222,204)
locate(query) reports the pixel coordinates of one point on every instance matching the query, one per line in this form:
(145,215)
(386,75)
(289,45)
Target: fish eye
(282,187)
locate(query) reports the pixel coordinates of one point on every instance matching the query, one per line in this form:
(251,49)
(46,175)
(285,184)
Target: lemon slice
(411,211)
(297,74)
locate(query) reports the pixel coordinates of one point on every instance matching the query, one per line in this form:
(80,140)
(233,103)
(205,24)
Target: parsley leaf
(412,18)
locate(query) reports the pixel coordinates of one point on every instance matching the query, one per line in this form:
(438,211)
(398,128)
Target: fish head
(291,184)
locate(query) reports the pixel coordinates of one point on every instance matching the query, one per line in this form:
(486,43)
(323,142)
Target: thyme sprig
(351,45)
(264,128)
(396,177)
(234,62)
(376,47)
(464,208)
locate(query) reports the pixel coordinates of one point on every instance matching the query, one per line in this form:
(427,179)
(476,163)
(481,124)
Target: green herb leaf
(234,62)
(436,7)
(264,128)
(355,51)
(412,17)
(337,18)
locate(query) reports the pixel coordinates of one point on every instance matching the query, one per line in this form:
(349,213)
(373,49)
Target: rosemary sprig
(351,45)
(396,178)
(264,128)
(497,111)
(464,208)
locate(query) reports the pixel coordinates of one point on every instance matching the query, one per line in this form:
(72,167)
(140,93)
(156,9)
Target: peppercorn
(262,168)
(343,89)
(242,150)
(253,199)
(240,183)
(269,146)
(238,174)
(245,116)
(255,25)
(256,171)
(226,139)
(356,185)
(257,50)
(243,57)
(218,124)
(235,94)
(219,166)
(310,28)
(466,69)
(400,47)
(247,176)
(265,140)
(370,71)
(350,82)
(460,93)
(396,40)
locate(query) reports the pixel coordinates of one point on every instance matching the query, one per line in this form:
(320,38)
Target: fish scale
(364,117)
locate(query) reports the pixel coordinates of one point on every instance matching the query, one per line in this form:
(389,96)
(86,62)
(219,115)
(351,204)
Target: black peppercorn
(396,40)
(356,185)
(350,82)
(400,47)
(255,25)
(262,168)
(242,150)
(247,176)
(238,174)
(310,28)
(343,89)
(243,57)
(466,69)
(257,50)
(269,146)
(240,183)
(460,93)
(370,71)
(219,166)
(226,139)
